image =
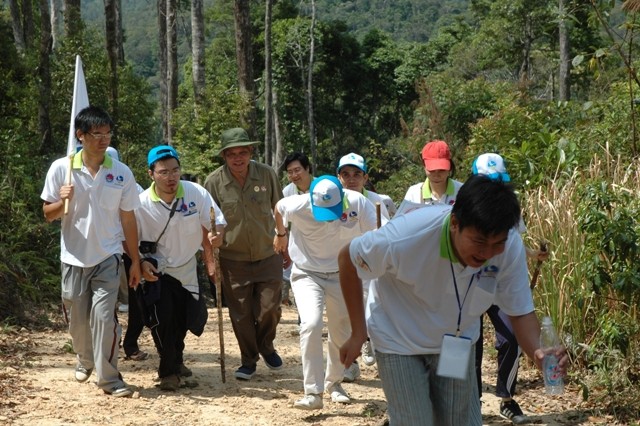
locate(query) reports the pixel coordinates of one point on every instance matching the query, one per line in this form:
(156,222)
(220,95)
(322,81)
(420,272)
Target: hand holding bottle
(553,357)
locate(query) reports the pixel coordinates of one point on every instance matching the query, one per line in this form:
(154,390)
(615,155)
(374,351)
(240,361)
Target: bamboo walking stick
(536,272)
(218,285)
(66,200)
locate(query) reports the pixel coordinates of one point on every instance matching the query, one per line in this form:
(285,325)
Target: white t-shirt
(183,236)
(413,303)
(374,197)
(421,193)
(292,189)
(314,245)
(91,231)
(389,204)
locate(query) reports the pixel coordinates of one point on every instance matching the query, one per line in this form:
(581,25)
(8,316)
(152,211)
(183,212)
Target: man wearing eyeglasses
(247,192)
(174,220)
(102,197)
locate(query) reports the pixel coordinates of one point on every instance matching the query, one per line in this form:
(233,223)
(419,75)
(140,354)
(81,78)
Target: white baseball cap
(352,159)
(326,198)
(492,166)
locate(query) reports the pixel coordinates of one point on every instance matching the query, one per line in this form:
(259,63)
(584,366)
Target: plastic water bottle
(553,382)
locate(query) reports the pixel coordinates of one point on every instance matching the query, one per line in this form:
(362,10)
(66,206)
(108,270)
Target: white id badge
(454,357)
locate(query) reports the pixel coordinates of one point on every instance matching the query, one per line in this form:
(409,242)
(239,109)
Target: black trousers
(168,317)
(508,354)
(135,322)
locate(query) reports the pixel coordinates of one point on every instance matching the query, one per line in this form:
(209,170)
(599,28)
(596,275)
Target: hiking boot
(183,371)
(510,410)
(82,374)
(273,361)
(352,373)
(338,394)
(170,383)
(119,391)
(309,402)
(245,373)
(368,356)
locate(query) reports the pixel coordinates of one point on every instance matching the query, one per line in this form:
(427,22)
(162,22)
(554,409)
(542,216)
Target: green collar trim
(426,189)
(107,163)
(345,203)
(446,249)
(154,196)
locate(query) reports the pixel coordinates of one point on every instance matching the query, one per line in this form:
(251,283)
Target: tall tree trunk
(172,65)
(119,33)
(55,6)
(564,77)
(162,60)
(28,25)
(525,67)
(276,130)
(244,58)
(16,25)
(111,23)
(310,118)
(197,51)
(269,153)
(72,19)
(44,77)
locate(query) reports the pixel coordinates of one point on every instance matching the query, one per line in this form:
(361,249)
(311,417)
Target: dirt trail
(37,388)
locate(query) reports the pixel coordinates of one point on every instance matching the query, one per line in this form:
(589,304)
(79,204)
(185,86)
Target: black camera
(148,247)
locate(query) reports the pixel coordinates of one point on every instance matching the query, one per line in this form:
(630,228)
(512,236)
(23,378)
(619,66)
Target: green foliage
(408,20)
(608,217)
(198,129)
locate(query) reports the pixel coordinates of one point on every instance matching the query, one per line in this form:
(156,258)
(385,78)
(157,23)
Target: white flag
(80,101)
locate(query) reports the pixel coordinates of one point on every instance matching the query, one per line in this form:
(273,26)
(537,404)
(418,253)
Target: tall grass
(594,323)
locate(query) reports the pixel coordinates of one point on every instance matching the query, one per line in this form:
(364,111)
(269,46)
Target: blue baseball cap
(491,165)
(326,198)
(161,152)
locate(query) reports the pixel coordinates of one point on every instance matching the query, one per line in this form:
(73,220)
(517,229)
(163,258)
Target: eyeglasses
(101,136)
(166,172)
(295,171)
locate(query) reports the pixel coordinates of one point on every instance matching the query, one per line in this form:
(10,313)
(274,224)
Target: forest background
(550,85)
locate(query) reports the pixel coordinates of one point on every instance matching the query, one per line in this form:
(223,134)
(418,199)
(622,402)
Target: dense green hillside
(409,20)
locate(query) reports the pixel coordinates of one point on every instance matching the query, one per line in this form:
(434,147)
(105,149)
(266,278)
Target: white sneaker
(352,373)
(82,374)
(309,402)
(338,394)
(368,356)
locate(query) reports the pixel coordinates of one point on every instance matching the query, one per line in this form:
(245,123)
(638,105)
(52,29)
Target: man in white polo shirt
(101,198)
(438,270)
(352,172)
(174,220)
(321,222)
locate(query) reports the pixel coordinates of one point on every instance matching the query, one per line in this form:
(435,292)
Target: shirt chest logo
(111,178)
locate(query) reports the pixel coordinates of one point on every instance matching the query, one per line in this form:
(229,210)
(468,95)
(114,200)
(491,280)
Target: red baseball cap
(436,156)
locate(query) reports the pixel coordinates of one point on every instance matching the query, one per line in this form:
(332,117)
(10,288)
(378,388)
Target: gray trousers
(417,396)
(89,298)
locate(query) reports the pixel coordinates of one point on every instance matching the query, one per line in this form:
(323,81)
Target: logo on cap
(326,198)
